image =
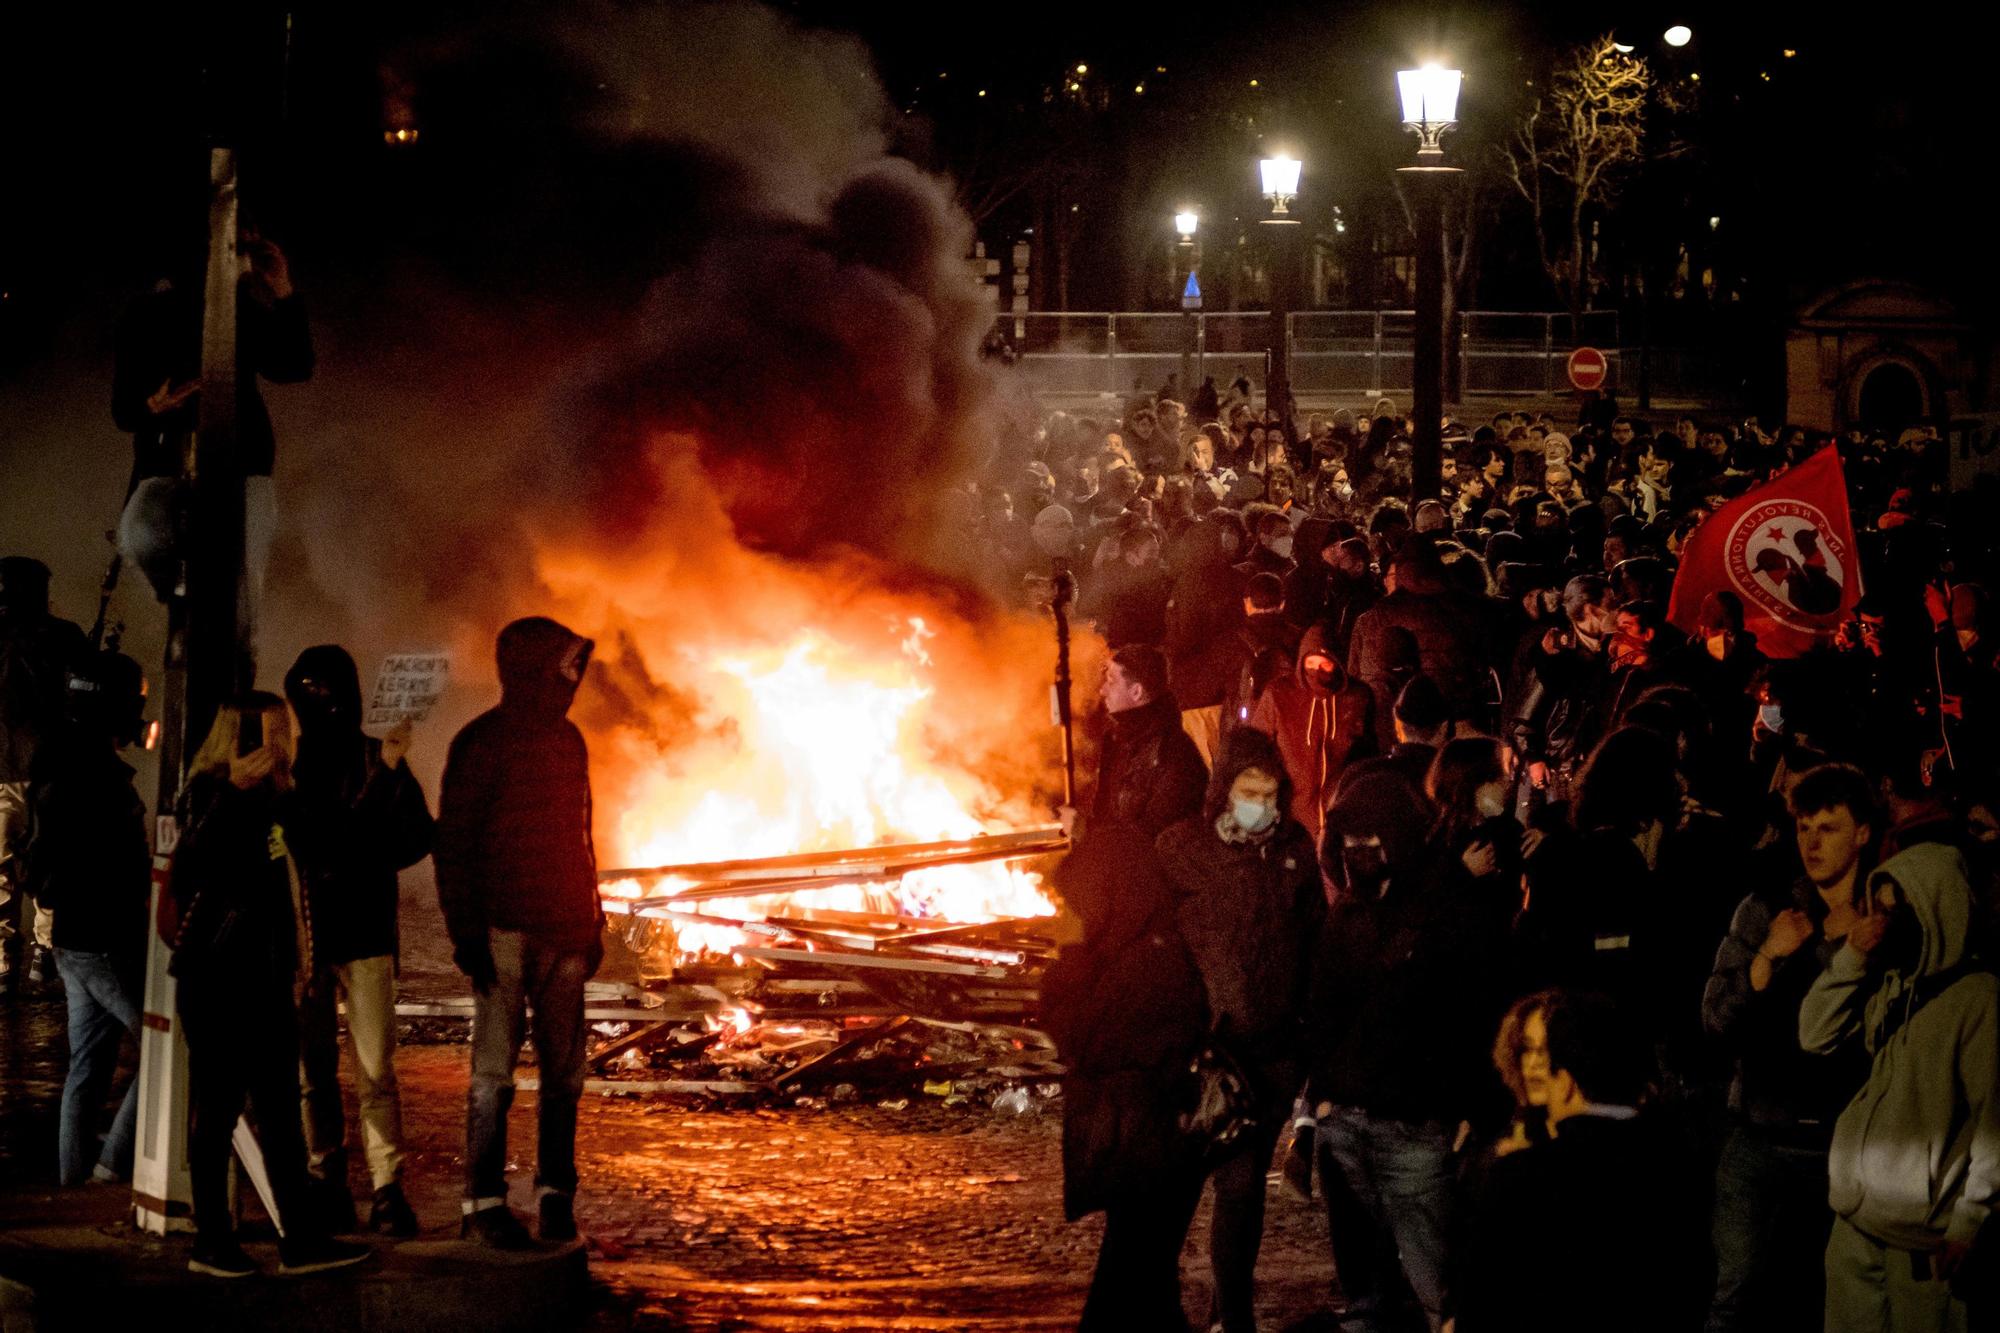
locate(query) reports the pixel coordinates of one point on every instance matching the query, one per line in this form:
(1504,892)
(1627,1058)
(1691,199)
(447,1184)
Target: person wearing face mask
(1915,1160)
(517,879)
(1250,907)
(1408,983)
(1720,662)
(358,818)
(1272,553)
(1321,720)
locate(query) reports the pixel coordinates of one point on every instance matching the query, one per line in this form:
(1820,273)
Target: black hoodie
(513,845)
(351,821)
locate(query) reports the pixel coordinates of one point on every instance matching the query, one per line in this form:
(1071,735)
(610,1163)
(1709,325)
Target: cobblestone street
(844,1218)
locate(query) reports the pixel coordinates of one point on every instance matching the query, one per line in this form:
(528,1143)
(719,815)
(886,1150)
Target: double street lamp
(1430,107)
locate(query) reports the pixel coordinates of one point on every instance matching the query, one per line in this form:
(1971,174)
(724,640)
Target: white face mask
(1718,646)
(1967,637)
(1253,816)
(1281,546)
(1490,800)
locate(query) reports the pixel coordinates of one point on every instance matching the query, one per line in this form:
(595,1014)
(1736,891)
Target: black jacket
(87,857)
(1249,912)
(352,822)
(1407,990)
(1150,774)
(37,653)
(514,848)
(1126,1010)
(160,341)
(232,891)
(1603,1227)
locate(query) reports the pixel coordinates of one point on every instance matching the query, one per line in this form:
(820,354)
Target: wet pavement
(849,1217)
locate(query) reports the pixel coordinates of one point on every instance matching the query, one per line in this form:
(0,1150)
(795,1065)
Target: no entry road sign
(1587,368)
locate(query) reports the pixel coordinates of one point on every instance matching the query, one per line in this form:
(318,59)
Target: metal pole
(1062,592)
(1281,235)
(1426,186)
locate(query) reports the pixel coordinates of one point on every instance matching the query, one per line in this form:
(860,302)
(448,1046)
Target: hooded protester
(1406,991)
(1250,904)
(517,879)
(1915,1162)
(1320,720)
(87,853)
(242,951)
(37,653)
(358,816)
(1126,1009)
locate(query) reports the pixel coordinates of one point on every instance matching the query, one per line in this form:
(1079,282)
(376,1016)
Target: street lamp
(1187,222)
(1281,181)
(1430,107)
(1679,35)
(1281,233)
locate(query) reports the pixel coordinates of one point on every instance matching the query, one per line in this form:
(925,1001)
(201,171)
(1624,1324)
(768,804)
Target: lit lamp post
(1281,231)
(1430,107)
(1186,260)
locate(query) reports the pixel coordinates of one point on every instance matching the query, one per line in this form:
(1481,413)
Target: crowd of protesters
(1603,970)
(1607,972)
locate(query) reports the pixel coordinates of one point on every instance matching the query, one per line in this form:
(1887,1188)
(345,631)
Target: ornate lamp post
(1281,231)
(1430,107)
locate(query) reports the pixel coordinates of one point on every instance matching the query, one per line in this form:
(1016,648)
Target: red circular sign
(1587,368)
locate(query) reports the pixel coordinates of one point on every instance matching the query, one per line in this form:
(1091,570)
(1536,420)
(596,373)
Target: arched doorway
(1891,397)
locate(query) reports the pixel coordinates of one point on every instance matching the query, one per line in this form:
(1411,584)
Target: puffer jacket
(1916,1154)
(514,847)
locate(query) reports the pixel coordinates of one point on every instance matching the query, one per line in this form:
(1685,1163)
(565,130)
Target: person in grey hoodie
(1915,1163)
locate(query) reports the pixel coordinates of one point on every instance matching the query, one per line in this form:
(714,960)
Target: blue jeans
(1770,1229)
(526,975)
(1389,1198)
(102,1009)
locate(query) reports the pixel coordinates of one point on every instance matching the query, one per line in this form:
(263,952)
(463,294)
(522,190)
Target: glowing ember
(823,747)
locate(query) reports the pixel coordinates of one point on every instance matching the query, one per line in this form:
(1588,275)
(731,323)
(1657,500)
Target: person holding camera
(242,953)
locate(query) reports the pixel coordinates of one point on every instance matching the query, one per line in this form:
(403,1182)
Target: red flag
(1787,549)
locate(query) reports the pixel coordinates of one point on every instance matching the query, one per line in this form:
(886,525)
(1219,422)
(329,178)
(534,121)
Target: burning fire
(821,745)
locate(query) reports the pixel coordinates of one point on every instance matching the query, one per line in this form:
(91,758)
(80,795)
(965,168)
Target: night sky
(1852,157)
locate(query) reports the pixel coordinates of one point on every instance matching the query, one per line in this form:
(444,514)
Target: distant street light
(1430,106)
(1186,223)
(1679,35)
(1281,181)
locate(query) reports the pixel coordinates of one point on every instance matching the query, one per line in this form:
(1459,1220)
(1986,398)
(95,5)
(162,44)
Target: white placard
(407,688)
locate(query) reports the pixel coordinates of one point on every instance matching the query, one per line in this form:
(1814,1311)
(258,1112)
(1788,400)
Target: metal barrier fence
(1358,352)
